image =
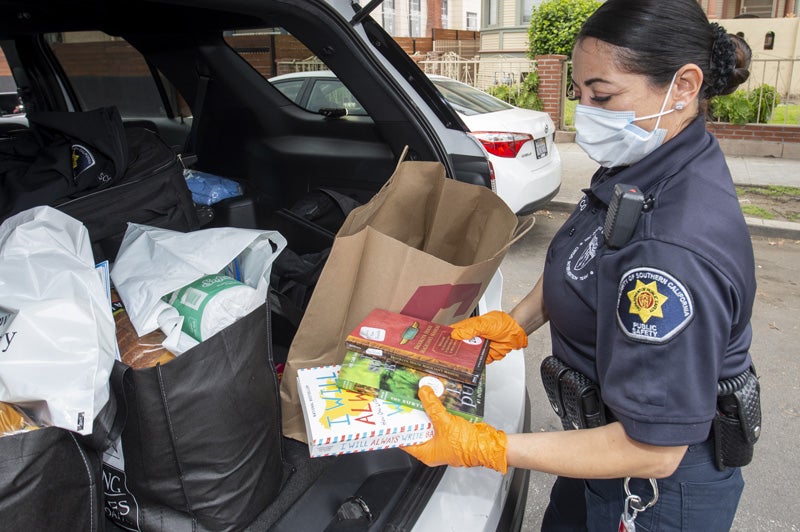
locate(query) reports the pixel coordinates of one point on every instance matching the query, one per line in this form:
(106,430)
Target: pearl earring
(679,106)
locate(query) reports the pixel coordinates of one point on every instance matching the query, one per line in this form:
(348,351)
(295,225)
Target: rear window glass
(105,70)
(332,94)
(468,100)
(273,52)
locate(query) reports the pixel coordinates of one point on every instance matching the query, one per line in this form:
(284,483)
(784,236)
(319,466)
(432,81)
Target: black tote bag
(50,481)
(201,440)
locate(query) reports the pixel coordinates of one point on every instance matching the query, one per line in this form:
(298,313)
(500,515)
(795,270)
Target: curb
(773,228)
(757,226)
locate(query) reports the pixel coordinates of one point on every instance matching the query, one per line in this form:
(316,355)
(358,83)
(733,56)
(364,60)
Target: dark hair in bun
(656,38)
(725,82)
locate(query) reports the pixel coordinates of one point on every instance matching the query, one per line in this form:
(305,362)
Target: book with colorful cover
(418,343)
(400,384)
(342,421)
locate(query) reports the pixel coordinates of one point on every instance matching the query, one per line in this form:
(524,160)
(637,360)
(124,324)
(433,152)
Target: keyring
(635,500)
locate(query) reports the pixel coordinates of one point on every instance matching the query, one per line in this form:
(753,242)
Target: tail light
(502,144)
(492,180)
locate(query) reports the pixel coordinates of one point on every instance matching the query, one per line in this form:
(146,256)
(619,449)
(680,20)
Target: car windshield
(468,100)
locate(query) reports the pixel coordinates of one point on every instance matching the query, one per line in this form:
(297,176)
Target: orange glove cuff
(487,448)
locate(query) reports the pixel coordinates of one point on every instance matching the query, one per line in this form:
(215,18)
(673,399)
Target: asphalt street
(769,501)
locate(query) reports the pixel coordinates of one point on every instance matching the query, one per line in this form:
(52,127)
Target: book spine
(387,395)
(406,354)
(390,355)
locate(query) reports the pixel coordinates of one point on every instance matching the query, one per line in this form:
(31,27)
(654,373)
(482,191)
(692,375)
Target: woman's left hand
(502,331)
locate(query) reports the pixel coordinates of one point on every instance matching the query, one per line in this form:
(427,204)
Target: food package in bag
(56,329)
(210,304)
(174,281)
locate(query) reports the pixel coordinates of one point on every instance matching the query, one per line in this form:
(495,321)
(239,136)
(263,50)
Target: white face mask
(610,138)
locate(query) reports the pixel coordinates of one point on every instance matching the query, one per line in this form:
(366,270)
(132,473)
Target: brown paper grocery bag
(425,245)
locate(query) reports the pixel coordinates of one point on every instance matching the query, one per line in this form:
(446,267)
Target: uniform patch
(82,160)
(580,261)
(652,305)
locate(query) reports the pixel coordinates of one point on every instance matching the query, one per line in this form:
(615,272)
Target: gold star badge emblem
(646,301)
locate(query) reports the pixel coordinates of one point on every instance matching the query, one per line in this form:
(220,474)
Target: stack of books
(371,400)
(390,355)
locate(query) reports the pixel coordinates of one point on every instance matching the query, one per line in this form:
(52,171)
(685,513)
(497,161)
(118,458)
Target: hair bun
(723,62)
(730,61)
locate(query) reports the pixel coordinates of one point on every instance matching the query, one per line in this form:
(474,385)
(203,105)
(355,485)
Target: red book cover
(419,343)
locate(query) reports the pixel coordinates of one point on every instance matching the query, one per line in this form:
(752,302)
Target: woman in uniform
(653,303)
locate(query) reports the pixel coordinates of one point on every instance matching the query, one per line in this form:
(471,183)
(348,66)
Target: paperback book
(342,421)
(400,384)
(421,344)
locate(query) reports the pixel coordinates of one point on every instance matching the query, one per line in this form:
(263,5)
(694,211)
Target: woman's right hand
(502,331)
(456,441)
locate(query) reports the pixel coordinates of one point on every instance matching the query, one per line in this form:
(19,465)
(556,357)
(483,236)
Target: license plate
(541,147)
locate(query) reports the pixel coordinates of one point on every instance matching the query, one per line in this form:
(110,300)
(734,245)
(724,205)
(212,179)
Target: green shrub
(525,94)
(554,25)
(745,107)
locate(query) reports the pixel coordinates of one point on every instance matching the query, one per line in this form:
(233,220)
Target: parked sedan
(520,142)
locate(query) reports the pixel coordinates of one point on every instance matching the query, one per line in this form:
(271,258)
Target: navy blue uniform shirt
(658,322)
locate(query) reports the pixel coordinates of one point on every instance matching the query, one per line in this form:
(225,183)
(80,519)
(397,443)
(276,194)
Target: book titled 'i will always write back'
(418,343)
(342,421)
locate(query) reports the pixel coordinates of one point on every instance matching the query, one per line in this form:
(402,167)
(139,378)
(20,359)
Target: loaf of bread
(136,352)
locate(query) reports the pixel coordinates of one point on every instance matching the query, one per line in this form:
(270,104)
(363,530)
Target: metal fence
(784,76)
(483,72)
(309,64)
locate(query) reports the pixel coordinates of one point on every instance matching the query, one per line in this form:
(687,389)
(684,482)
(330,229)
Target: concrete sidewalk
(577,170)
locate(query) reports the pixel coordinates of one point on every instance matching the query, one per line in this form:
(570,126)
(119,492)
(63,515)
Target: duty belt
(576,400)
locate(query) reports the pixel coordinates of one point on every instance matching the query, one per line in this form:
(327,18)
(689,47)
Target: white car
(520,142)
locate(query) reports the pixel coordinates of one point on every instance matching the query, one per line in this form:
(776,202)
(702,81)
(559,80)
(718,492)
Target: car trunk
(245,130)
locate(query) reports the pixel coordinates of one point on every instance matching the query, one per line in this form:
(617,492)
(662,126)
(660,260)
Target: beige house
(504,26)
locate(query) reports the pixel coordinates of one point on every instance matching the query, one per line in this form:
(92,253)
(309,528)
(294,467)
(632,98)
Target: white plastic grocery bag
(57,336)
(153,263)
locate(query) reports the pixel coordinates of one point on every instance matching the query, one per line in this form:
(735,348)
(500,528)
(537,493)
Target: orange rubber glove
(456,441)
(502,331)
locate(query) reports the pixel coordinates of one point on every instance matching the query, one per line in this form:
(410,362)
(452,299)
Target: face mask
(610,138)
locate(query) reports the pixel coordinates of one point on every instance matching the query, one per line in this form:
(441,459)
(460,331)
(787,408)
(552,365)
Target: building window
(414,19)
(769,40)
(490,10)
(444,15)
(472,21)
(525,8)
(757,8)
(388,16)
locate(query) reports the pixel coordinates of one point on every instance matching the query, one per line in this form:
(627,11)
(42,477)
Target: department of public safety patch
(652,305)
(82,160)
